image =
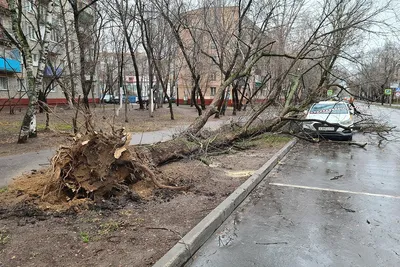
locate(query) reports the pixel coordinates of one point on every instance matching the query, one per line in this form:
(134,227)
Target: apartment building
(214,29)
(58,74)
(11,76)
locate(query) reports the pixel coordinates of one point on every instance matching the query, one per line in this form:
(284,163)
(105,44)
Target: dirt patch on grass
(103,117)
(125,232)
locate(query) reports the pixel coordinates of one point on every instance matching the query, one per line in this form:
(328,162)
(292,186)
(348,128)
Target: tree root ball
(97,166)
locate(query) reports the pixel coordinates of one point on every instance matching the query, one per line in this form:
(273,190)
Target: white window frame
(6,84)
(213,76)
(21,85)
(30,7)
(31,32)
(213,91)
(42,11)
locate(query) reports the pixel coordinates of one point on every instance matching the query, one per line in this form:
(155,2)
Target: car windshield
(327,108)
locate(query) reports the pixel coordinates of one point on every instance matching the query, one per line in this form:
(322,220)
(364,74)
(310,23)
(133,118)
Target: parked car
(110,99)
(145,99)
(334,120)
(173,100)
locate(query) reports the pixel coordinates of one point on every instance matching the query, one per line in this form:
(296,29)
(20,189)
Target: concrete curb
(179,254)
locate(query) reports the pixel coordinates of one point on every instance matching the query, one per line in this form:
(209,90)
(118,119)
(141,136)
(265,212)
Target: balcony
(9,65)
(50,72)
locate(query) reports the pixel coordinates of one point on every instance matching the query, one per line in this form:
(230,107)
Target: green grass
(55,126)
(108,227)
(4,238)
(275,138)
(84,237)
(269,139)
(10,127)
(3,189)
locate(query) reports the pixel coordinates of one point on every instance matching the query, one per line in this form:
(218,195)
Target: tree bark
(193,95)
(28,127)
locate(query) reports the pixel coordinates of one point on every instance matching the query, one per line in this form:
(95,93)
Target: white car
(330,119)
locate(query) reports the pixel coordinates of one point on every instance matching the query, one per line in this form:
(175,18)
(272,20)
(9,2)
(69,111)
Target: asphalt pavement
(15,165)
(325,204)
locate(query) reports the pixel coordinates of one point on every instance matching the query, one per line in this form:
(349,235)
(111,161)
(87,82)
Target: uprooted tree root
(99,166)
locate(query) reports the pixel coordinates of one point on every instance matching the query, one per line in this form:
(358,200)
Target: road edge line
(179,254)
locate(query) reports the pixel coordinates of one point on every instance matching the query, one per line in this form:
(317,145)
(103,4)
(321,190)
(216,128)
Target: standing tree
(43,18)
(126,15)
(89,23)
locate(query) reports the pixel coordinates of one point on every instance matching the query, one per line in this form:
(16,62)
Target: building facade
(213,41)
(62,66)
(11,76)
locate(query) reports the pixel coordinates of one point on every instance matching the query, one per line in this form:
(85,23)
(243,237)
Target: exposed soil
(131,231)
(103,116)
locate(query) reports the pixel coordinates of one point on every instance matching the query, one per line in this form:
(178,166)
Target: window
(213,91)
(21,85)
(336,108)
(213,76)
(54,36)
(2,33)
(31,32)
(3,83)
(42,12)
(53,87)
(35,60)
(29,6)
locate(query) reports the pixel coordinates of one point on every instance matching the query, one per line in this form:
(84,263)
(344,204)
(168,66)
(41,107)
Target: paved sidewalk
(15,165)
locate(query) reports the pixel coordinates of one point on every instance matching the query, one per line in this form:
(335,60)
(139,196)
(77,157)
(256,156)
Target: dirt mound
(95,167)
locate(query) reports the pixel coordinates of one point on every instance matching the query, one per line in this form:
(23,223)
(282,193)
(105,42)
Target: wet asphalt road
(323,205)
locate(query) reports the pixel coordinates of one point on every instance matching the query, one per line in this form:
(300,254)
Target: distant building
(12,71)
(11,77)
(223,22)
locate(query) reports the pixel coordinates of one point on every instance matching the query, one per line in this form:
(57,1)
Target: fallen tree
(99,165)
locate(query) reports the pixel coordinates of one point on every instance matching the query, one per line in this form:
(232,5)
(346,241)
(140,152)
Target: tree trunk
(193,96)
(202,100)
(177,96)
(220,103)
(181,147)
(70,98)
(196,126)
(28,127)
(234,102)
